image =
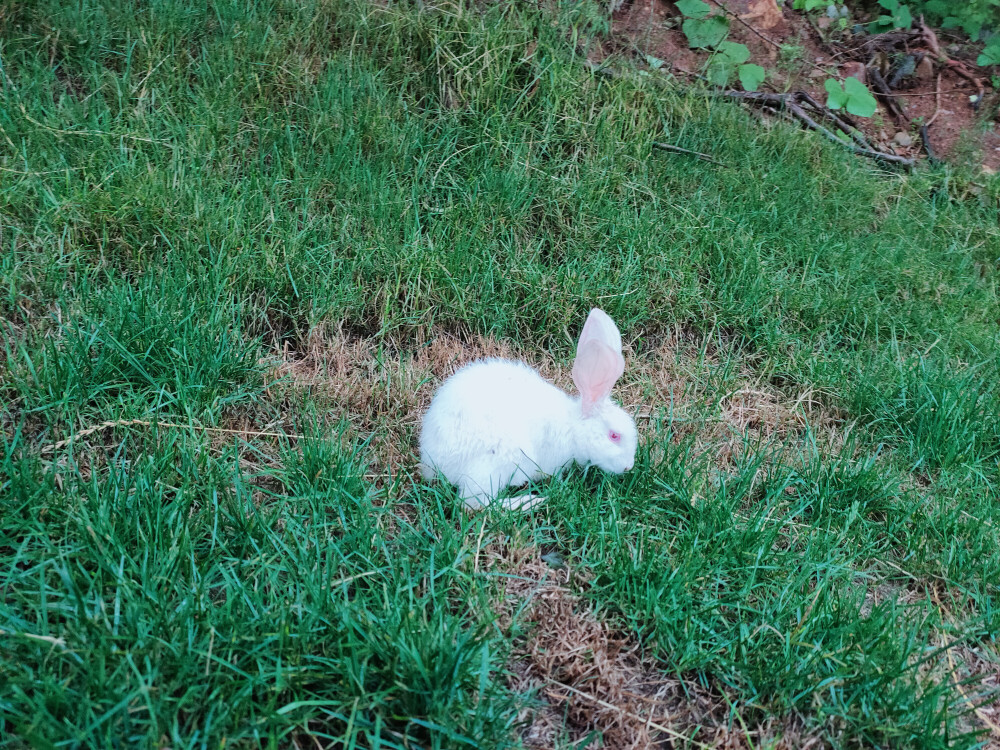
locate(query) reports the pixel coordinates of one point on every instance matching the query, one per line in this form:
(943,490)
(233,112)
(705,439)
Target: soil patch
(801,51)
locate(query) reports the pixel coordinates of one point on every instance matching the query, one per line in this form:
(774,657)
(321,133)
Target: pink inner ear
(599,362)
(601,327)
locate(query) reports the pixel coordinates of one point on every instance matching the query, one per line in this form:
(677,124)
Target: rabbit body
(497,423)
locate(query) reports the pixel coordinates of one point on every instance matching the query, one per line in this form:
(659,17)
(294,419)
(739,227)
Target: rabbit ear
(599,362)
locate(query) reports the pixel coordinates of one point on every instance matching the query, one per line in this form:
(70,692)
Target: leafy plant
(899,16)
(727,57)
(853,96)
(809,5)
(991,54)
(693,8)
(971,16)
(703,31)
(751,76)
(706,31)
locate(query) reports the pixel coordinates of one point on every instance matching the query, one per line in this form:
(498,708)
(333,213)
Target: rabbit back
(496,423)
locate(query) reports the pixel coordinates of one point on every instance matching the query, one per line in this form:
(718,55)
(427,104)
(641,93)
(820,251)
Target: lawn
(241,245)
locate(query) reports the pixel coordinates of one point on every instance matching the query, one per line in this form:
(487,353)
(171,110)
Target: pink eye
(614,437)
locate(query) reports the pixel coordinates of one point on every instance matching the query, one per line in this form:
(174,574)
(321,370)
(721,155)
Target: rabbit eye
(614,437)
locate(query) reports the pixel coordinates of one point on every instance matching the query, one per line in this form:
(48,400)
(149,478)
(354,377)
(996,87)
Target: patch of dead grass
(591,680)
(974,670)
(384,392)
(979,668)
(381,392)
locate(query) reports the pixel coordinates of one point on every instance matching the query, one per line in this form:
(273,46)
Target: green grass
(186,191)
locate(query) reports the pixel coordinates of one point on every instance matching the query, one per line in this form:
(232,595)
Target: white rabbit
(497,423)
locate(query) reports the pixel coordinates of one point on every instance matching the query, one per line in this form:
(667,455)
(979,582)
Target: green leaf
(706,32)
(751,76)
(853,86)
(899,17)
(903,19)
(837,97)
(853,96)
(693,8)
(719,72)
(972,26)
(990,55)
(860,102)
(735,52)
(723,63)
(654,62)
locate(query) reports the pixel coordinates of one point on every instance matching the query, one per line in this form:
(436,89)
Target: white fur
(497,423)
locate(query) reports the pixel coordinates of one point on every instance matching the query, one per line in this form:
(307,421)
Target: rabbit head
(607,436)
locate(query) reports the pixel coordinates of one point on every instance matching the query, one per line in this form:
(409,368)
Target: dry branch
(791,104)
(171,425)
(884,93)
(678,150)
(926,140)
(930,39)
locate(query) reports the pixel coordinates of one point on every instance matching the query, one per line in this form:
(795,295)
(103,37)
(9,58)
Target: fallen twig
(883,92)
(926,140)
(678,150)
(788,103)
(931,40)
(925,137)
(937,101)
(908,94)
(144,423)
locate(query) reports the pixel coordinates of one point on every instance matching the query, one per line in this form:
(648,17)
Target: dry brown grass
(590,678)
(974,670)
(981,667)
(383,393)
